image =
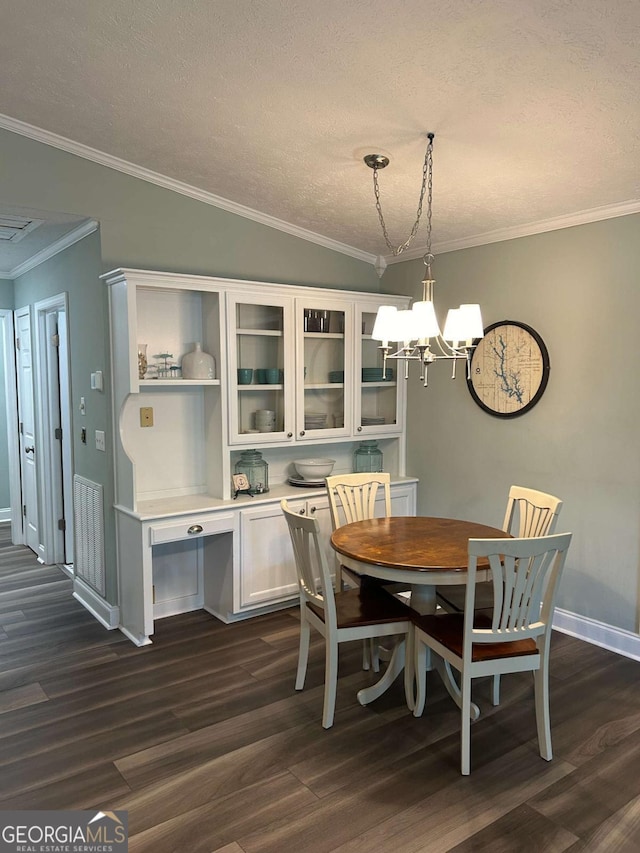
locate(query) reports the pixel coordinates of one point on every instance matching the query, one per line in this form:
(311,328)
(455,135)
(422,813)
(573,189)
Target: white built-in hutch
(183,541)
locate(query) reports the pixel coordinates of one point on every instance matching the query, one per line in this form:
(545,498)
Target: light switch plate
(146,416)
(100,440)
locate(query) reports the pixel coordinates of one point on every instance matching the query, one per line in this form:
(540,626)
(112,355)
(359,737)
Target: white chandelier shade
(420,323)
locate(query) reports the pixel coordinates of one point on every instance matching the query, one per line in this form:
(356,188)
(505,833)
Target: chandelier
(416,330)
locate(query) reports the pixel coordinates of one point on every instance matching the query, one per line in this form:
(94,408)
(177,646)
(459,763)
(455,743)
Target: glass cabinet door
(324,388)
(260,370)
(379,393)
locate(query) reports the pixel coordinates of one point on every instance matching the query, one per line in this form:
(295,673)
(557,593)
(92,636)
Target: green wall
(75,271)
(148,227)
(578,287)
(6,293)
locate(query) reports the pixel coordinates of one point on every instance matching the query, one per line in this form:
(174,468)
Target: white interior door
(53,410)
(27,437)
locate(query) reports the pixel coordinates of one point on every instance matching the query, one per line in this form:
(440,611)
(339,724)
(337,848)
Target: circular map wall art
(509,369)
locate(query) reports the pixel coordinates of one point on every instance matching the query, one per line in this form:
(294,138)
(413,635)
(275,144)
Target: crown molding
(380,262)
(582,217)
(88,153)
(60,245)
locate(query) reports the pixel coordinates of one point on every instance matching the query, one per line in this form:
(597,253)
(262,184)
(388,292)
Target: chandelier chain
(427,186)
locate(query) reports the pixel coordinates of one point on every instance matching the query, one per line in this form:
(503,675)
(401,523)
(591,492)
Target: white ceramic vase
(198,364)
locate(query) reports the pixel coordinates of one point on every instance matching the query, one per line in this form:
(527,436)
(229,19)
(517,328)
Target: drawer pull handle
(195,528)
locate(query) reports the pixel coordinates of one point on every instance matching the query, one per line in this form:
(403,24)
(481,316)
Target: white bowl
(314,469)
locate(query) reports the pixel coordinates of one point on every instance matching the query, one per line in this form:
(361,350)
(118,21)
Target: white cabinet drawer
(192,527)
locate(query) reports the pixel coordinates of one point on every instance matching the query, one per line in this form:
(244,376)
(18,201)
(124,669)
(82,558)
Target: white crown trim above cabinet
(297,363)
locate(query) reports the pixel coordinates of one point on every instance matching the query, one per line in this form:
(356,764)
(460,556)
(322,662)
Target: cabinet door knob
(312,510)
(360,429)
(195,528)
(302,432)
(302,511)
(289,435)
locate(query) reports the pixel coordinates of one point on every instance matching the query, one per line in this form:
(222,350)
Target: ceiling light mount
(376,161)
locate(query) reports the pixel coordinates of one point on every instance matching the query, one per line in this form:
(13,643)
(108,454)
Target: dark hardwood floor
(202,738)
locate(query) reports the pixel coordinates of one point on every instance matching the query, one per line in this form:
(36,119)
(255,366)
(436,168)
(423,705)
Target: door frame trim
(8,342)
(51,502)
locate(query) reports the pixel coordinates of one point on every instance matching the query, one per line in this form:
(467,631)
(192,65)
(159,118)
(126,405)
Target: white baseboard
(600,634)
(137,640)
(107,614)
(5,514)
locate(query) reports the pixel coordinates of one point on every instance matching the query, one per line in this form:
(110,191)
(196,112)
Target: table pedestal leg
(423,599)
(393,670)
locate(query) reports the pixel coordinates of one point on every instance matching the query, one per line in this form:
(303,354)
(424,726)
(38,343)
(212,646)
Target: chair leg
(495,698)
(374,651)
(330,683)
(420,674)
(366,655)
(303,652)
(543,722)
(465,732)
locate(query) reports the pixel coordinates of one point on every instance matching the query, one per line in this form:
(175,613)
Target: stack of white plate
(372,421)
(315,420)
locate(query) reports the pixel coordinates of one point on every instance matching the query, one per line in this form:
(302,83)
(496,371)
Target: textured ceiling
(272,103)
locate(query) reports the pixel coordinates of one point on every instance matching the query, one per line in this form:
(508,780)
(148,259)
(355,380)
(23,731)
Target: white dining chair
(529,513)
(352,497)
(341,616)
(515,637)
(355,497)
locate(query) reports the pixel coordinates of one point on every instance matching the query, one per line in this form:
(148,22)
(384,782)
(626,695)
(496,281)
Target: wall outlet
(82,407)
(83,435)
(100,440)
(146,416)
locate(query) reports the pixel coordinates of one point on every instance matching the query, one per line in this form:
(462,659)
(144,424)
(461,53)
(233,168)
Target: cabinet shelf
(323,386)
(264,333)
(271,386)
(173,383)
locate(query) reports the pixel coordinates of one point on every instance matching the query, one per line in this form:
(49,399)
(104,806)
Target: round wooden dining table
(421,552)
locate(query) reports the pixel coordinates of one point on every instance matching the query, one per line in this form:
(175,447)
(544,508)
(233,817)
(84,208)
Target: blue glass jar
(367,458)
(256,470)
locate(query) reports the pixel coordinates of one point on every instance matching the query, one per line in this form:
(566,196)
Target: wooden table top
(412,543)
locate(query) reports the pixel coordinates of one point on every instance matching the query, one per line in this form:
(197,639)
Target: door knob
(29,450)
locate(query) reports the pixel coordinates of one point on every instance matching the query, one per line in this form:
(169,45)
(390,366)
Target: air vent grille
(14,228)
(89,532)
